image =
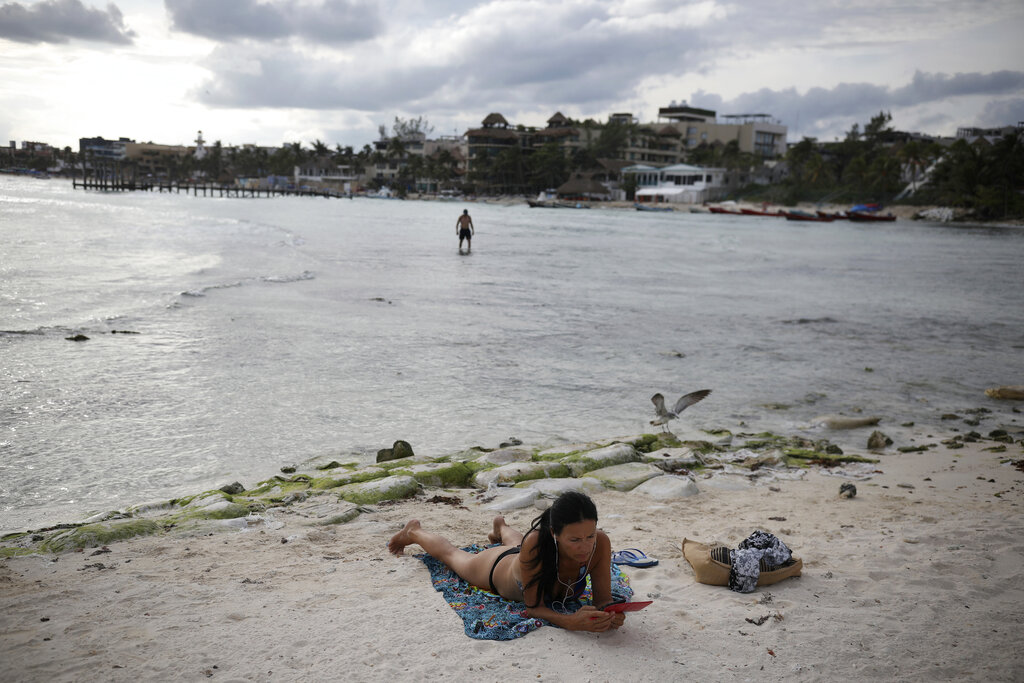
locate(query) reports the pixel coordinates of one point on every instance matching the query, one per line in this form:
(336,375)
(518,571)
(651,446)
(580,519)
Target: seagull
(665,415)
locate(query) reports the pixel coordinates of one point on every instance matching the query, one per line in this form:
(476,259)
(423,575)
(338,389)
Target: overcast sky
(275,71)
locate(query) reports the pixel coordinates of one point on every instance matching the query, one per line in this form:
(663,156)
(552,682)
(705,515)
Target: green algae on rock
(625,477)
(98,534)
(438,474)
(388,488)
(615,454)
(348,477)
(516,472)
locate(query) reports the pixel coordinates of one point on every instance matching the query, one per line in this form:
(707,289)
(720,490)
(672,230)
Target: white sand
(917,584)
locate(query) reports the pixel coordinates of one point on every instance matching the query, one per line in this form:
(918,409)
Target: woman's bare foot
(495,535)
(403,538)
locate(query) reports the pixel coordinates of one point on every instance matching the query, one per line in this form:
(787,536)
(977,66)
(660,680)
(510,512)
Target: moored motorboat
(835,215)
(865,217)
(644,207)
(719,209)
(810,217)
(756,212)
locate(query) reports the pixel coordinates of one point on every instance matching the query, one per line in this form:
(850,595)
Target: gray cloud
(58,21)
(490,64)
(1004,112)
(328,22)
(452,60)
(829,111)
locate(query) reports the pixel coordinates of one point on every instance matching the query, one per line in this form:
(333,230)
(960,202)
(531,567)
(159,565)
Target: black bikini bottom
(490,577)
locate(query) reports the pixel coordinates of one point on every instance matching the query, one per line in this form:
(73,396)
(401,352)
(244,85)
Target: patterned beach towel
(487,616)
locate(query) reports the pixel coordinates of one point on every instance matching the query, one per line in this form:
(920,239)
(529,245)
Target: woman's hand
(589,618)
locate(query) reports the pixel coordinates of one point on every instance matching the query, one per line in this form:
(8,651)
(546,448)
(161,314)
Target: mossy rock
(348,477)
(702,447)
(439,473)
(762,440)
(625,477)
(214,505)
(556,455)
(292,483)
(648,443)
(98,534)
(404,463)
(221,510)
(343,517)
(552,488)
(516,472)
(615,454)
(334,464)
(16,552)
(154,507)
(389,488)
(670,459)
(503,456)
(560,452)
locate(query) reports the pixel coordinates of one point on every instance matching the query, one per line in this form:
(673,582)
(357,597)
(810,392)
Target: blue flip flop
(632,557)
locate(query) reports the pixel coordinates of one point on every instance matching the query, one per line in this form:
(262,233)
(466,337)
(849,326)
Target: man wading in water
(465,230)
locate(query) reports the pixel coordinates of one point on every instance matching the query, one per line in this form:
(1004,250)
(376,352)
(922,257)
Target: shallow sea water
(267,332)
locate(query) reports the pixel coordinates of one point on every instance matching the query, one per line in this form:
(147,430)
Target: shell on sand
(1014,393)
(843,422)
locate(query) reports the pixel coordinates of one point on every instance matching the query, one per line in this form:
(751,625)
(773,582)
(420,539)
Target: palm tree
(913,156)
(320,149)
(885,174)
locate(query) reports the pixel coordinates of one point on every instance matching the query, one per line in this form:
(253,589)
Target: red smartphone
(627,606)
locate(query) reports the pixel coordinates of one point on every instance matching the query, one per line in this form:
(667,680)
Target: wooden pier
(196,189)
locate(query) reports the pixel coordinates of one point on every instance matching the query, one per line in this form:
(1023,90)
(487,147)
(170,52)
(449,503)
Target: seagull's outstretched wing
(659,405)
(688,400)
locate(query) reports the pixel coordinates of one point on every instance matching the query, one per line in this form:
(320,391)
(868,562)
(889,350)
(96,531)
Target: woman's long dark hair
(568,508)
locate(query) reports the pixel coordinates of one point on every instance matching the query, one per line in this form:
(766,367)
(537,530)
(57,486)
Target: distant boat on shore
(865,217)
(644,207)
(809,217)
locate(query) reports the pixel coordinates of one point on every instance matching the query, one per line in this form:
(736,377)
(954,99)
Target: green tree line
(876,165)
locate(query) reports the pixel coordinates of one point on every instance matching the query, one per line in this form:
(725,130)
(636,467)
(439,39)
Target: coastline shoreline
(930,544)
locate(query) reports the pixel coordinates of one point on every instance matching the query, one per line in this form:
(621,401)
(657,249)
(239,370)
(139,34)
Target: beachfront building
(757,134)
(418,163)
(103,150)
(495,138)
(563,133)
(324,171)
(654,144)
(678,183)
(150,160)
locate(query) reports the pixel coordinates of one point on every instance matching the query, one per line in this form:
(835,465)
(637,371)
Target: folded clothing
(746,560)
(713,565)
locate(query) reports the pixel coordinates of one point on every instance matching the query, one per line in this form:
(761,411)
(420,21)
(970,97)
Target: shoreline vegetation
(290,579)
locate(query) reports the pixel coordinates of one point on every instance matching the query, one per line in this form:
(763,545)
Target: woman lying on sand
(543,569)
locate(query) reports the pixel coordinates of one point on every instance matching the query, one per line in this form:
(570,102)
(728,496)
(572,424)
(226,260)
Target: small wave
(12,333)
(200,292)
(304,275)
